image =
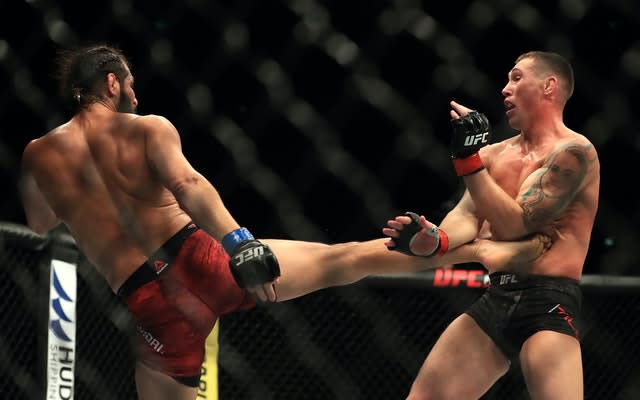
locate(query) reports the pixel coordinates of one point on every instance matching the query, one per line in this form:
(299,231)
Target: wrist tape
(234,238)
(443,245)
(468,165)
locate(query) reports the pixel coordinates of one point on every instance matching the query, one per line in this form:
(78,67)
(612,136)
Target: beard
(125,104)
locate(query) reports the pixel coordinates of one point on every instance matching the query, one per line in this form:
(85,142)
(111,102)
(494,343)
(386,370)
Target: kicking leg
(309,266)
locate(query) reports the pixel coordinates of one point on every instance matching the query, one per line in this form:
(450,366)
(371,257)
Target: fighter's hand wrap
(402,242)
(470,133)
(252,262)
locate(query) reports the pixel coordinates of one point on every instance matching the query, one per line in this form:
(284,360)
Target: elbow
(181,188)
(41,228)
(38,229)
(40,220)
(511,231)
(193,192)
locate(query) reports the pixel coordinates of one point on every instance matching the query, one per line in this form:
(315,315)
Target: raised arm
(253,264)
(194,193)
(543,196)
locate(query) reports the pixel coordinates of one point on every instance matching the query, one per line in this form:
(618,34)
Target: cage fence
(362,341)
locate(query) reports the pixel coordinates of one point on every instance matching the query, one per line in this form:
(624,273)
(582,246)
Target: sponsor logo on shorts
(151,340)
(160,266)
(562,312)
(506,279)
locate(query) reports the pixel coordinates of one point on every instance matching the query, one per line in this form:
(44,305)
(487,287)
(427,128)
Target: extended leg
(310,266)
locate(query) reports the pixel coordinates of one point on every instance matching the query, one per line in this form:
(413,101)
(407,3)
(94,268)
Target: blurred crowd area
(319,120)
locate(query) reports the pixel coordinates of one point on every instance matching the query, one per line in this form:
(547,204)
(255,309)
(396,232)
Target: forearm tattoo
(556,183)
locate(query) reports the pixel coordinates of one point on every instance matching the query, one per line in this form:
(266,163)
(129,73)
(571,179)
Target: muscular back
(94,173)
(557,185)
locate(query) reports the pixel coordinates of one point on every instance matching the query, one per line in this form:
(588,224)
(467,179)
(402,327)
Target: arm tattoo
(556,184)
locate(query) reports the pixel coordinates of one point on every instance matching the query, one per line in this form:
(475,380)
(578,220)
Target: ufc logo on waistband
(506,279)
(249,254)
(475,139)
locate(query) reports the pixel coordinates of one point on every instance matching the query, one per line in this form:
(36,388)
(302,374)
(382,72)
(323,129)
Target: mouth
(508,107)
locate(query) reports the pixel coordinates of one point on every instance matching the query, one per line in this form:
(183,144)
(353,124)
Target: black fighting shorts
(515,307)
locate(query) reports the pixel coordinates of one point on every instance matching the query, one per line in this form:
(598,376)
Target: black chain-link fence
(21,317)
(368,342)
(364,341)
(104,364)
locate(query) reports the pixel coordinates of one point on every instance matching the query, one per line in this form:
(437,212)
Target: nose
(506,90)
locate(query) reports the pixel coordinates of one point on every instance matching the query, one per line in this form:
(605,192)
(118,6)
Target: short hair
(82,73)
(556,64)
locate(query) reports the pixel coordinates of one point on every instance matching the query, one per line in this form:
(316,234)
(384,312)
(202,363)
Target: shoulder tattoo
(556,183)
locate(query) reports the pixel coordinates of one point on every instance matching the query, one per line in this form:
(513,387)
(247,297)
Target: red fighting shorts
(176,296)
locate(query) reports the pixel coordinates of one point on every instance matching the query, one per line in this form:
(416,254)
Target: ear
(113,86)
(550,85)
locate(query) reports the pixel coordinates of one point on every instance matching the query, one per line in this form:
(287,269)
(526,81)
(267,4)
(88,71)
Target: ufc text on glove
(253,263)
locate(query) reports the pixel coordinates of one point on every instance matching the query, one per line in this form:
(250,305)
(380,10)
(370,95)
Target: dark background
(318,120)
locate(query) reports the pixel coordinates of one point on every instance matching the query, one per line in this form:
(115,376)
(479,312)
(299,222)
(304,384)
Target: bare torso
(519,171)
(113,203)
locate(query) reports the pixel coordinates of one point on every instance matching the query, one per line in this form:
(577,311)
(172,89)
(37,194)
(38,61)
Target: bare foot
(511,256)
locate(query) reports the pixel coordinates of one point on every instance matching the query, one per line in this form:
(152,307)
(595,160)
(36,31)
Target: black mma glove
(406,234)
(252,262)
(470,134)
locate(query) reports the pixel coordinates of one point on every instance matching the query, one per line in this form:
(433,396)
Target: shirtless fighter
(159,233)
(545,178)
